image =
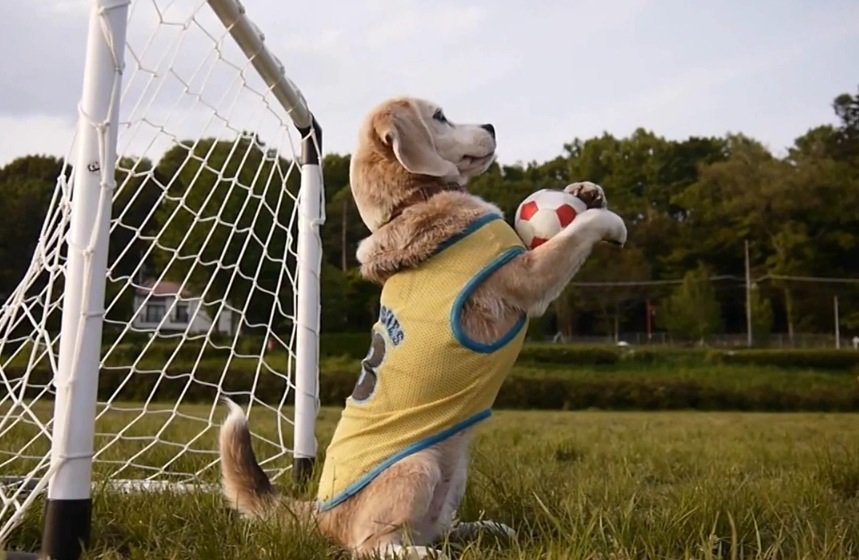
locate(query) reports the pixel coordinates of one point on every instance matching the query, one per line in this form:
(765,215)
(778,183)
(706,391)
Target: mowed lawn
(574,485)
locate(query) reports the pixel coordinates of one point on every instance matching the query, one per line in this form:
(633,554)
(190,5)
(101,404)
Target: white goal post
(178,263)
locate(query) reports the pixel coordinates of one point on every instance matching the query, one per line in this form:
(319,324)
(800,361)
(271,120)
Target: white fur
(400,552)
(470,147)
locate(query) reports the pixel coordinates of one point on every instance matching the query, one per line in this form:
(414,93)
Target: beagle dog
(458,288)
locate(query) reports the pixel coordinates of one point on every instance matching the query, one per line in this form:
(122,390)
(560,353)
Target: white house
(160,307)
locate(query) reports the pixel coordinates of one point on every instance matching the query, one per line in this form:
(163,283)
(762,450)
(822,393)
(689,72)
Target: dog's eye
(439,116)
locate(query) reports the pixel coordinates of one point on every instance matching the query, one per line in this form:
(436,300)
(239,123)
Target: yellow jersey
(423,380)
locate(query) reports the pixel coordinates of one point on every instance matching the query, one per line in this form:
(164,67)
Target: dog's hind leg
(472,530)
(389,513)
(400,552)
(453,461)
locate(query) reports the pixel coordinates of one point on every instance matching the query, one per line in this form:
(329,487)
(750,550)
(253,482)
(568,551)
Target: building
(159,306)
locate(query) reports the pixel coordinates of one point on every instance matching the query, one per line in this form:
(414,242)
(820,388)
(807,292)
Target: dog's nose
(488,128)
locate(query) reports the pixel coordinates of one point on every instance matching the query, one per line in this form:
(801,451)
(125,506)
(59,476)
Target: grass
(575,485)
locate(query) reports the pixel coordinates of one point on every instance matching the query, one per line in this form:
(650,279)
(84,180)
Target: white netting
(201,270)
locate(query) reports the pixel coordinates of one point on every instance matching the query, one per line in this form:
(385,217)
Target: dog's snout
(488,128)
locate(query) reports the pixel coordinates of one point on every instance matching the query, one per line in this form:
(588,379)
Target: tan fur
(244,484)
(412,504)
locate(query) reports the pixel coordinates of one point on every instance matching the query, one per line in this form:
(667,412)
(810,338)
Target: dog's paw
(469,531)
(401,552)
(605,225)
(590,193)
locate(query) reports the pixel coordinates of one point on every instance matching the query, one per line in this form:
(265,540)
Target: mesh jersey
(423,379)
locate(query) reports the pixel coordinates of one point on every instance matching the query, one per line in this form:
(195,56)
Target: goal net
(198,159)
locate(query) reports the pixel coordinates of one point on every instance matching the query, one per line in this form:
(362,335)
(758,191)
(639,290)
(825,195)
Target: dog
(457,290)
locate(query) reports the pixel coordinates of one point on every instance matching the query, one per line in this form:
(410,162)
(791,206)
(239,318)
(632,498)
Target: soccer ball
(544,214)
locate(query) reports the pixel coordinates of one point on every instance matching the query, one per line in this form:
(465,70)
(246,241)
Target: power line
(717,278)
(821,279)
(648,282)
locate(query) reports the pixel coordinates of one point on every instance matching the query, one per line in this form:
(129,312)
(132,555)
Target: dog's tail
(245,484)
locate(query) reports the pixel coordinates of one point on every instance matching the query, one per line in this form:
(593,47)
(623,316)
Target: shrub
(353,345)
(555,386)
(568,355)
(692,311)
(815,359)
(571,393)
(565,393)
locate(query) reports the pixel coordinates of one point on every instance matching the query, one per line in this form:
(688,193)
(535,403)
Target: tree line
(691,206)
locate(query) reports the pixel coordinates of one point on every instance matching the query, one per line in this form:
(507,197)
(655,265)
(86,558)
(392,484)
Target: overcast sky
(544,72)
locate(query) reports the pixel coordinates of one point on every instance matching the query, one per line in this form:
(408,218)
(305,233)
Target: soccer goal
(178,264)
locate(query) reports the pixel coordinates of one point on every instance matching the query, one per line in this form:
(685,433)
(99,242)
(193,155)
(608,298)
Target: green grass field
(575,485)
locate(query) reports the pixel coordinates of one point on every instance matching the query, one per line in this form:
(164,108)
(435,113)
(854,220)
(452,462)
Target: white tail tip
(236,413)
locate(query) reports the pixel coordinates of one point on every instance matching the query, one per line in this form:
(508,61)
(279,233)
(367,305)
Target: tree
(762,316)
(225,223)
(507,186)
(343,230)
(792,249)
(26,187)
(692,311)
(137,193)
(644,174)
(846,140)
(608,304)
(732,200)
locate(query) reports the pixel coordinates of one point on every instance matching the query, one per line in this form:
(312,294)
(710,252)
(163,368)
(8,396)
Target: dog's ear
(402,128)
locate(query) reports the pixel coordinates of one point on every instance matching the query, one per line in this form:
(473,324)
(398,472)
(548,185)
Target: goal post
(179,263)
(310,218)
(68,507)
(308,305)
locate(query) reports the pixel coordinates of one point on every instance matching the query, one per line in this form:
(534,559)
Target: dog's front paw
(590,193)
(605,225)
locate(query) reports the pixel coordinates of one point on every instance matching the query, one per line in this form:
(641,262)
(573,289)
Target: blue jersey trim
(471,228)
(355,487)
(456,310)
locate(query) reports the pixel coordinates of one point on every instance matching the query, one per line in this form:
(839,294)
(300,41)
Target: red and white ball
(544,214)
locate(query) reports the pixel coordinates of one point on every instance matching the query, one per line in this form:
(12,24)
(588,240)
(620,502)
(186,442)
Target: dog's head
(408,150)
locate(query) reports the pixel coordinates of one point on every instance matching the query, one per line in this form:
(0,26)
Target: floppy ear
(402,128)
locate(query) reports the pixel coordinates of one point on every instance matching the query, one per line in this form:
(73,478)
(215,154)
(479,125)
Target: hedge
(565,393)
(352,345)
(562,354)
(811,359)
(560,393)
(554,388)
(355,346)
(553,392)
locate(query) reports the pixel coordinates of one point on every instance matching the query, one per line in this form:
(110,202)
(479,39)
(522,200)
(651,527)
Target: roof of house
(163,288)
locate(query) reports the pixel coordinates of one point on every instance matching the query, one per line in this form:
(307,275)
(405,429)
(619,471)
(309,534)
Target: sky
(542,71)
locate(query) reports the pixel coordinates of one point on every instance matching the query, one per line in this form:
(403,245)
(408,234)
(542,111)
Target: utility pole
(837,326)
(344,209)
(748,299)
(648,320)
